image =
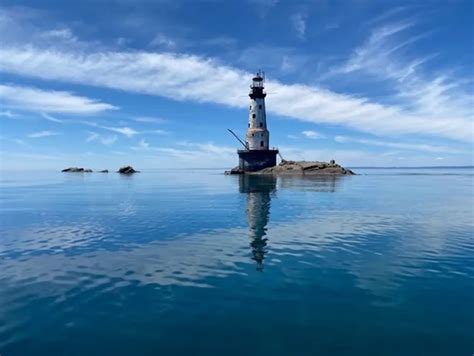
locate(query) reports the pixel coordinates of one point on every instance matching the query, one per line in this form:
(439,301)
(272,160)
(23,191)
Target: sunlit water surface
(198,263)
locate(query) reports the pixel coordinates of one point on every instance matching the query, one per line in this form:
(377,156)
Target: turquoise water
(198,263)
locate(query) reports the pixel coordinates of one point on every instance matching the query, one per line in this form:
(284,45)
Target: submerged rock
(76,170)
(305,168)
(127,170)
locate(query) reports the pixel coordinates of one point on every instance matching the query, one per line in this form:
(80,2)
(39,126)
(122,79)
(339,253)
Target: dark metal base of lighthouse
(255,160)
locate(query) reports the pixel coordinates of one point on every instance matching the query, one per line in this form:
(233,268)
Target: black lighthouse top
(256,89)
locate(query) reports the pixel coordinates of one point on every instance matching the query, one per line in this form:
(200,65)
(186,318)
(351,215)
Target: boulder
(104,171)
(235,170)
(127,170)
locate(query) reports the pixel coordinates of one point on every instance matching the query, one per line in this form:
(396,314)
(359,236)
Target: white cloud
(360,157)
(92,136)
(122,41)
(157,131)
(264,7)
(193,154)
(104,139)
(127,131)
(298,21)
(32,156)
(441,99)
(41,134)
(63,34)
(150,119)
(33,99)
(7,113)
(312,134)
(108,140)
(51,118)
(398,145)
(161,40)
(17,141)
(142,146)
(435,107)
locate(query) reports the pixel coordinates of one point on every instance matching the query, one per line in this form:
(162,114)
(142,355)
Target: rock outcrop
(312,168)
(77,170)
(127,170)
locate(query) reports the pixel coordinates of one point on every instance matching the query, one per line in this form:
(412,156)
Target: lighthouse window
(253,116)
(260,106)
(261,143)
(261,124)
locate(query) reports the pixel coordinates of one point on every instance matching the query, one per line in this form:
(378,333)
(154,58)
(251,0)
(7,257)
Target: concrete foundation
(255,160)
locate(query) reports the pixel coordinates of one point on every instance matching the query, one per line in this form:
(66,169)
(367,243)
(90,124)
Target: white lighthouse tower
(257,134)
(257,154)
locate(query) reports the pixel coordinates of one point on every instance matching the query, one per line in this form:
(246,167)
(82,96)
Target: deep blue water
(198,263)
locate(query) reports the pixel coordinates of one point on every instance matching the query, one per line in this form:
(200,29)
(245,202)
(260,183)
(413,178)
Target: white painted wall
(257,134)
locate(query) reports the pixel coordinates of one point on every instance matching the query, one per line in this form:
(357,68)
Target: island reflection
(259,189)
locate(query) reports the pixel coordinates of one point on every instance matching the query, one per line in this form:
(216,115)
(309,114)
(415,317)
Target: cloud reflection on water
(365,245)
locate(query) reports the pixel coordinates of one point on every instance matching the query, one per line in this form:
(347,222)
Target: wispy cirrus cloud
(312,134)
(298,22)
(435,106)
(49,101)
(400,145)
(183,77)
(149,119)
(104,139)
(161,40)
(51,118)
(127,131)
(7,113)
(441,98)
(45,133)
(378,54)
(192,152)
(186,77)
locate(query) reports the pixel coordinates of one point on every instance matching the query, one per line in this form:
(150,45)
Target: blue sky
(156,84)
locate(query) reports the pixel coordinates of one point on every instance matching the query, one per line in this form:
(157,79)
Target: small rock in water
(73,170)
(127,170)
(104,171)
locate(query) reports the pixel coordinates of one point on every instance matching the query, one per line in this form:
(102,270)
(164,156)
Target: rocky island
(127,170)
(310,168)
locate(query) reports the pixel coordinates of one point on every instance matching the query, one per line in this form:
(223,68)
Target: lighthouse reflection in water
(260,189)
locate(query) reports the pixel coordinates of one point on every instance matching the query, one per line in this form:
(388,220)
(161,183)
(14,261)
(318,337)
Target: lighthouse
(257,153)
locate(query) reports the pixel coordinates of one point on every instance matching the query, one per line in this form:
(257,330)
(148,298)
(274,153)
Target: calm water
(198,263)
